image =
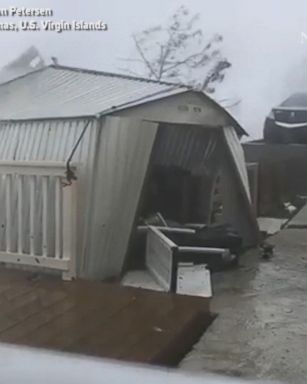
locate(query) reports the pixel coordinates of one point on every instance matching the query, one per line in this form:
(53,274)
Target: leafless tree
(179,52)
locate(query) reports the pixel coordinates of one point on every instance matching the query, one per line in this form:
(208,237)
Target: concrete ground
(261,328)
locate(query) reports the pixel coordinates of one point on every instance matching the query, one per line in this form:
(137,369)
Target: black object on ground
(267,250)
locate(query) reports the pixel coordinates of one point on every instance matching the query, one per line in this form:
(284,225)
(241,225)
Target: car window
(297,100)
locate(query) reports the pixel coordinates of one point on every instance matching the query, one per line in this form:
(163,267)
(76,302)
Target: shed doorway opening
(182,174)
(181,187)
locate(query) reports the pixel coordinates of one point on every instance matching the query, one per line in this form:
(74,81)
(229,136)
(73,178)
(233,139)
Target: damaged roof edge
(240,130)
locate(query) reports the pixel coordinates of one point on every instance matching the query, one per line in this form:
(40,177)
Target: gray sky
(262,39)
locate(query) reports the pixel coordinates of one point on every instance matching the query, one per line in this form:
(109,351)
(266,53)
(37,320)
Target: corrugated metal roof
(7,74)
(66,92)
(57,92)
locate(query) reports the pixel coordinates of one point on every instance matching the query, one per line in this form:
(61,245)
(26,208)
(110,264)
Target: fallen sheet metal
(141,279)
(299,220)
(194,280)
(271,225)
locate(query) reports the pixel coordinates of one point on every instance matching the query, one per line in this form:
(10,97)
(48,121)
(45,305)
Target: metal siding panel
(50,140)
(125,147)
(57,126)
(186,147)
(11,142)
(63,142)
(43,140)
(20,139)
(5,144)
(2,211)
(30,129)
(237,154)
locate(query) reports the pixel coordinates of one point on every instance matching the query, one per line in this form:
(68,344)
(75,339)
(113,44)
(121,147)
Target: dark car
(287,123)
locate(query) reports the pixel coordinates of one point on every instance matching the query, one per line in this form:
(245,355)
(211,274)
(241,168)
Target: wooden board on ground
(99,319)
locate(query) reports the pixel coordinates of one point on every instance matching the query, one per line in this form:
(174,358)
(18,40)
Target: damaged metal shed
(115,133)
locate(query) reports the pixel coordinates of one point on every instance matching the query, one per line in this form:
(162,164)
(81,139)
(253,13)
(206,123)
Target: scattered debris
(299,221)
(290,208)
(141,279)
(180,257)
(30,60)
(270,225)
(267,250)
(194,280)
(155,219)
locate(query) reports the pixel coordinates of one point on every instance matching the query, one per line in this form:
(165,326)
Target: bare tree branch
(140,51)
(178,51)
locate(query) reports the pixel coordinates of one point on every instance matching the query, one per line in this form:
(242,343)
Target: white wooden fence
(38,212)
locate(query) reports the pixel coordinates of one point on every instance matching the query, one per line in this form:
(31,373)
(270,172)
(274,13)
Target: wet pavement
(261,328)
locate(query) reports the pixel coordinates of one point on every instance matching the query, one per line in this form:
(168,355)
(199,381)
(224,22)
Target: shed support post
(69,230)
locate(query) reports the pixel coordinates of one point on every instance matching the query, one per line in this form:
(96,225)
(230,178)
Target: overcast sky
(262,39)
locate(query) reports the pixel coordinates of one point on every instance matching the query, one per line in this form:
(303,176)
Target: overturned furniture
(165,260)
(181,260)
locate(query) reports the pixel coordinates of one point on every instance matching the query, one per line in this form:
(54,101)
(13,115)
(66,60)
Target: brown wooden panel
(123,326)
(98,319)
(78,321)
(20,331)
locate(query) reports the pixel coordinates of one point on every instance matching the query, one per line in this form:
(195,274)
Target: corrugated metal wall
(237,153)
(204,152)
(197,150)
(237,208)
(190,147)
(45,140)
(124,150)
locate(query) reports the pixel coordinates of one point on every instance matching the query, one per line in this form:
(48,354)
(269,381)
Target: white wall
(173,110)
